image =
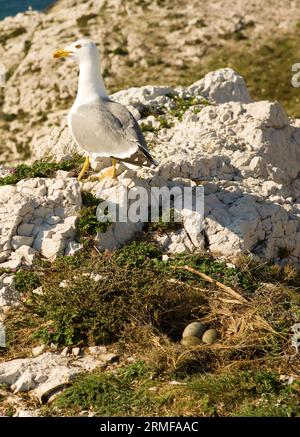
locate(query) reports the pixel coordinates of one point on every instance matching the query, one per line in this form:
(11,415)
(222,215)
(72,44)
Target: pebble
(38,350)
(76,351)
(65,352)
(97,350)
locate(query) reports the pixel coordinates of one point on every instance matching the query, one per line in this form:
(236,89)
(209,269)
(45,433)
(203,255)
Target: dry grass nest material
(142,304)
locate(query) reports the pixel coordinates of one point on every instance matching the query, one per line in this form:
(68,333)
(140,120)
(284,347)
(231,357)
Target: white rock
(221,86)
(65,352)
(51,248)
(39,212)
(76,351)
(24,383)
(47,373)
(96,277)
(26,413)
(12,264)
(97,350)
(38,350)
(38,291)
(53,220)
(28,254)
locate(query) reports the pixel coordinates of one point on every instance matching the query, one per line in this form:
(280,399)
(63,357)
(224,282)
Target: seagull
(100,126)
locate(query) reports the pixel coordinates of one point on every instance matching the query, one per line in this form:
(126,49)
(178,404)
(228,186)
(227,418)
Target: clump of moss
(148,128)
(39,169)
(134,390)
(184,103)
(98,312)
(110,394)
(143,303)
(165,222)
(246,393)
(88,223)
(136,254)
(164,123)
(180,106)
(26,281)
(218,270)
(120,51)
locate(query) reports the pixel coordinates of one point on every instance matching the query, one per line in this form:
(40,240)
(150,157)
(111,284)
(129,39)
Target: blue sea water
(12,7)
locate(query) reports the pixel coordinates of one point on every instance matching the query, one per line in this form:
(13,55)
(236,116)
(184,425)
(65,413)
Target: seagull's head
(79,51)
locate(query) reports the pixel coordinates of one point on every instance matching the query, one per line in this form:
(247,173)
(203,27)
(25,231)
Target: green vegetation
(165,222)
(148,128)
(110,394)
(26,281)
(181,105)
(88,224)
(133,391)
(164,123)
(40,169)
(246,393)
(120,51)
(140,305)
(139,290)
(184,103)
(99,312)
(136,254)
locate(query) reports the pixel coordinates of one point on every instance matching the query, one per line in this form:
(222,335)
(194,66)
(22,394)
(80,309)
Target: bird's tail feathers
(150,158)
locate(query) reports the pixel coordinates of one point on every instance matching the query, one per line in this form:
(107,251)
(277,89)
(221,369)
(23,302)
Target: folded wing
(108,129)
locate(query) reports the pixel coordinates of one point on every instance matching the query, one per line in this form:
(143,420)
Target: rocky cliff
(245,154)
(141,42)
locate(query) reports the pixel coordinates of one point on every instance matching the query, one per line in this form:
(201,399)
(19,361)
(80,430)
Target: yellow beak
(62,53)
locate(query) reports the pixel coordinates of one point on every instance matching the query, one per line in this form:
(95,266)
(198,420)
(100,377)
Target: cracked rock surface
(49,372)
(37,216)
(245,154)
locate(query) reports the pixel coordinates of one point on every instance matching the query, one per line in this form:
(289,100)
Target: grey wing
(132,132)
(97,130)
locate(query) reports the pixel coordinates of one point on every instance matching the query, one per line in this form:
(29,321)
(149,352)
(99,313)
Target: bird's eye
(78,46)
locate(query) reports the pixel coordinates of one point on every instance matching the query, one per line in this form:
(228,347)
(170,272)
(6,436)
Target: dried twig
(207,278)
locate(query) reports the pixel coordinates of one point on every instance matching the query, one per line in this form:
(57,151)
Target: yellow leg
(111,172)
(84,169)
